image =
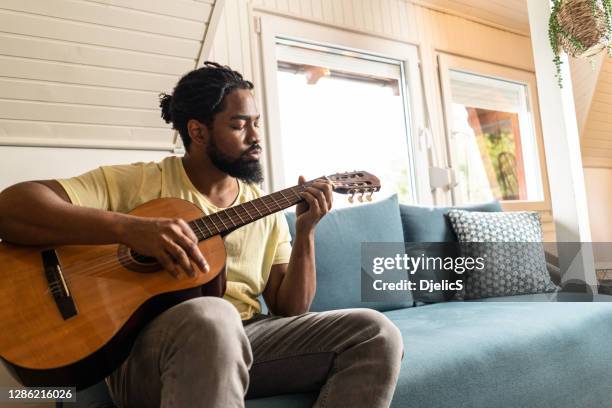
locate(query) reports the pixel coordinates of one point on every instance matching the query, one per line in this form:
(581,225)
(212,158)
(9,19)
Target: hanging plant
(581,28)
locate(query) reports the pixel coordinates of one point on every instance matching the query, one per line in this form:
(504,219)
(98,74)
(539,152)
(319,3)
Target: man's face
(233,145)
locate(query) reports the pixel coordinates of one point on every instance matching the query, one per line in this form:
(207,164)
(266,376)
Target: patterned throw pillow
(511,245)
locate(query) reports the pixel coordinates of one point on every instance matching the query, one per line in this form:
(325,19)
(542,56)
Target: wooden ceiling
(507,14)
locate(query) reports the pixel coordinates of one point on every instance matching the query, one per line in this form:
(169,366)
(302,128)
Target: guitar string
(232,218)
(113,259)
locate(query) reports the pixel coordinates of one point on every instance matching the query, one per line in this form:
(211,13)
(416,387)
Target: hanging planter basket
(581,28)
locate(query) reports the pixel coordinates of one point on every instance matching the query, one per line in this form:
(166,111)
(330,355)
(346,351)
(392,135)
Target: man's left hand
(318,201)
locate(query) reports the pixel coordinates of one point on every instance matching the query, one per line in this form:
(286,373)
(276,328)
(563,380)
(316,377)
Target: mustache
(256,146)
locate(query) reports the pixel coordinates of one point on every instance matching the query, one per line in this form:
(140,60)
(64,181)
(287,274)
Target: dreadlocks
(199,95)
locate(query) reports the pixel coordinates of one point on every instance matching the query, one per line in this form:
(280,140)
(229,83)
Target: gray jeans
(200,354)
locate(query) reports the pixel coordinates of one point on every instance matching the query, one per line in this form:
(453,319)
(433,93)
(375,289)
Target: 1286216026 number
(10,394)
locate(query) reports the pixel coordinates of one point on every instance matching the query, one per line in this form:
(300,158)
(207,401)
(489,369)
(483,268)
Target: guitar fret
(238,214)
(254,206)
(198,227)
(264,203)
(297,195)
(206,226)
(204,223)
(237,211)
(251,218)
(275,201)
(286,199)
(229,218)
(220,219)
(213,223)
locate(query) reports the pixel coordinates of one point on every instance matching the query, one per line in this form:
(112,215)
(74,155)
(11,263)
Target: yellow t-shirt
(251,249)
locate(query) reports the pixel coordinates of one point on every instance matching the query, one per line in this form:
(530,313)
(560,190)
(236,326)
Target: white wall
(37,163)
(598,183)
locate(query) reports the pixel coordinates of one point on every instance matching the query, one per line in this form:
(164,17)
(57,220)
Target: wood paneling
(111,16)
(44,91)
(88,72)
(186,9)
(232,43)
(584,74)
(64,51)
(403,20)
(386,15)
(506,14)
(596,140)
(93,34)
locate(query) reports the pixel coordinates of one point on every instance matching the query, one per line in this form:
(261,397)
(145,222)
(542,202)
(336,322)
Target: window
(343,113)
(339,107)
(493,143)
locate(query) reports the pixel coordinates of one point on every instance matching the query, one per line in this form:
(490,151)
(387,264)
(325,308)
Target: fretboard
(231,218)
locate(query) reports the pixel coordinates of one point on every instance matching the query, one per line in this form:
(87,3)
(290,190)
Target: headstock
(355,182)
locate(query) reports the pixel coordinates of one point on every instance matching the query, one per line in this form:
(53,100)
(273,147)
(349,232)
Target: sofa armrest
(552,265)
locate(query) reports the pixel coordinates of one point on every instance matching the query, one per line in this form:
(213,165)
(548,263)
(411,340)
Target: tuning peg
(369,197)
(360,198)
(351,197)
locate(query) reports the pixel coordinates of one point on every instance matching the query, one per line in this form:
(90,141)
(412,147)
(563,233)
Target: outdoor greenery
(498,145)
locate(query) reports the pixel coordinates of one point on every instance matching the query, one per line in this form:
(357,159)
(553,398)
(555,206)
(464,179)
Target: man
(208,352)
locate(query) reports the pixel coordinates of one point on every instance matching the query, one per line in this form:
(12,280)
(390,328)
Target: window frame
(447,62)
(273,27)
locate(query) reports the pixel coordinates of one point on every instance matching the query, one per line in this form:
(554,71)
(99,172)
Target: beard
(247,170)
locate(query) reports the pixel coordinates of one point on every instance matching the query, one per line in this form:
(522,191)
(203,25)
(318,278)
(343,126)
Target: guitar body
(73,325)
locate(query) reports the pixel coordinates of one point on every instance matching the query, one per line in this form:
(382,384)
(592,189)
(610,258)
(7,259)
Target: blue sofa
(542,350)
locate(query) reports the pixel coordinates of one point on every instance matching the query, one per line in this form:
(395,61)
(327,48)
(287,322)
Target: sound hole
(136,262)
(142,259)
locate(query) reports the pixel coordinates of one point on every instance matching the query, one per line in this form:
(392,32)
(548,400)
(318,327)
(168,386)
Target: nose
(252,136)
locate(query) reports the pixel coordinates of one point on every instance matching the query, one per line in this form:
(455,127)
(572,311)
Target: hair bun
(165,103)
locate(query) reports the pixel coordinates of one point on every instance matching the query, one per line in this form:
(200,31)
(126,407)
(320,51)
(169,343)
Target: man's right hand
(171,241)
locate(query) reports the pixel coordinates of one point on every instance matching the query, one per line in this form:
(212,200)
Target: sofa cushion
(510,354)
(511,244)
(431,224)
(338,240)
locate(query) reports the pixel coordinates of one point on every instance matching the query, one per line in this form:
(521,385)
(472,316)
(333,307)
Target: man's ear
(198,132)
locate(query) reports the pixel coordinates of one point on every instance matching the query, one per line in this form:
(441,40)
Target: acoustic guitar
(70,314)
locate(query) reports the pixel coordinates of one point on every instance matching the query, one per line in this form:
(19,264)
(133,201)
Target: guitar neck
(232,218)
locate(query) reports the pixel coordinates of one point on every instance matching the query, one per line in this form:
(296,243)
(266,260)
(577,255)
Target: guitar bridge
(57,284)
